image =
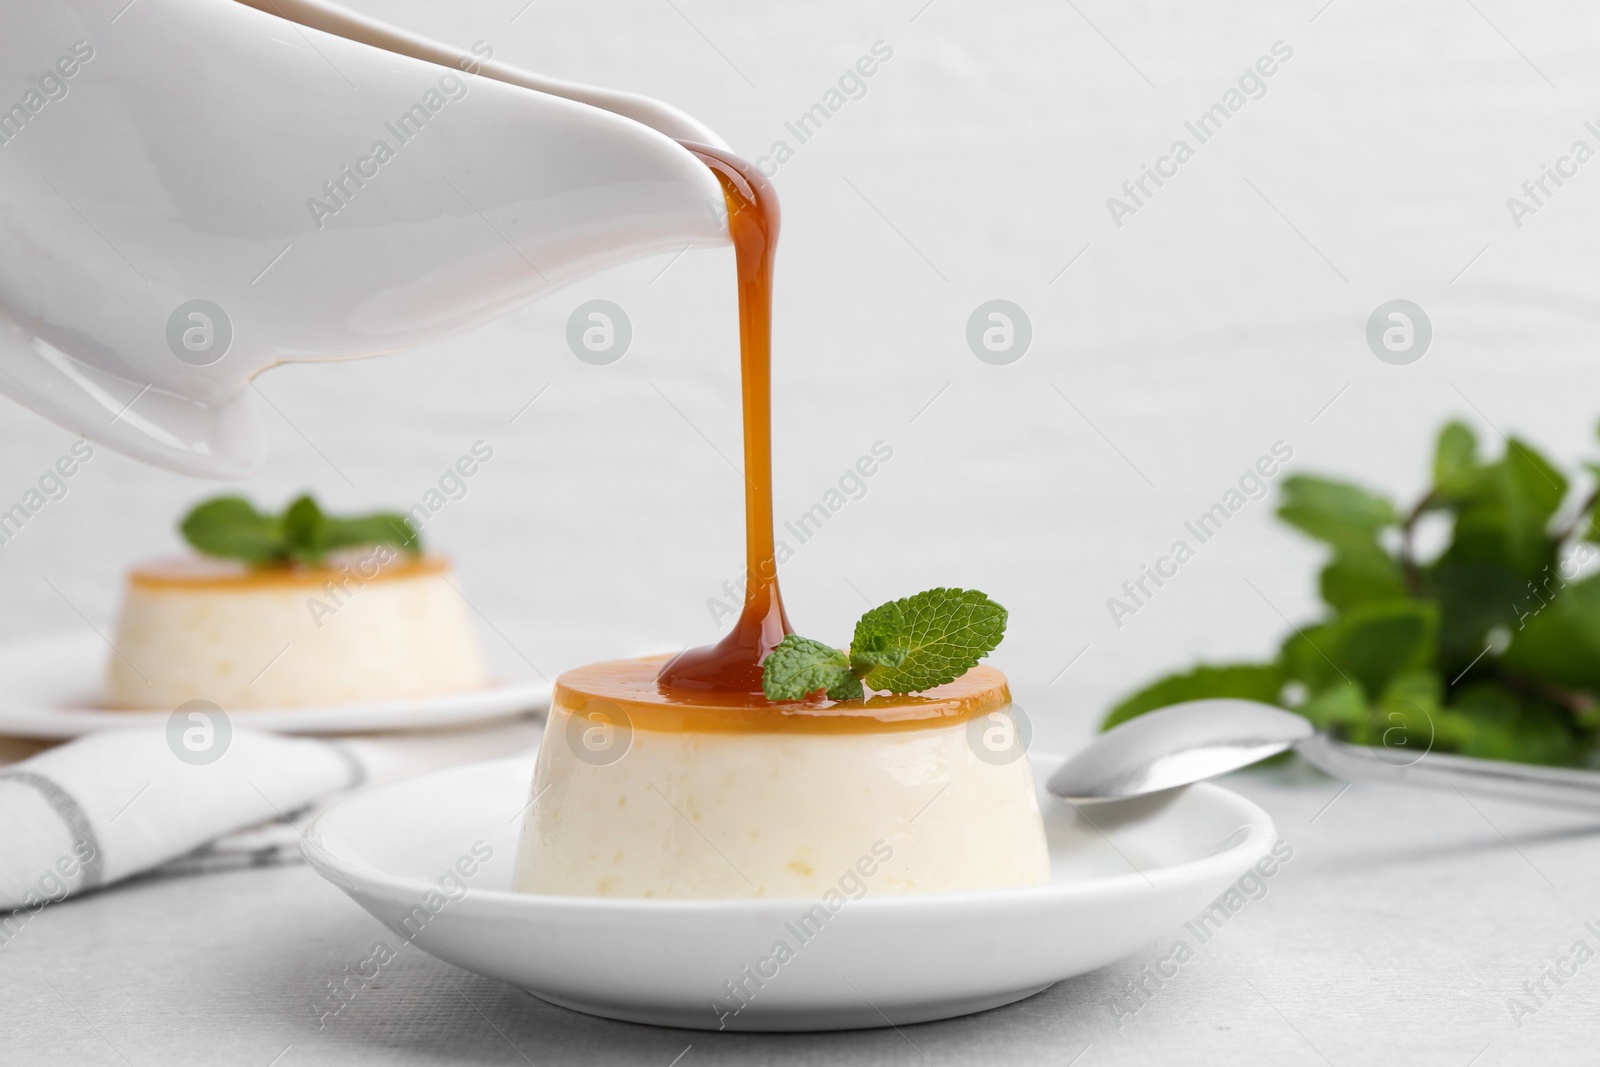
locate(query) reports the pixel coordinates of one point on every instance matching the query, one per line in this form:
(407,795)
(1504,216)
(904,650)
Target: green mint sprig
(230,527)
(904,646)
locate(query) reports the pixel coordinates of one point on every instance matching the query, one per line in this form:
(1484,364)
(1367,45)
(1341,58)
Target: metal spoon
(1204,738)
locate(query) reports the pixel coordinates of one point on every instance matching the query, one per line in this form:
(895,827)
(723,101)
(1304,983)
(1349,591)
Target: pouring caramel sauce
(733,665)
(715,688)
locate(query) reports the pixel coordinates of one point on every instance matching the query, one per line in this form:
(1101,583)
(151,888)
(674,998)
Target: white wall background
(1223,317)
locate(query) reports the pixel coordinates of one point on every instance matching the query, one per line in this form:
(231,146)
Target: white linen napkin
(110,805)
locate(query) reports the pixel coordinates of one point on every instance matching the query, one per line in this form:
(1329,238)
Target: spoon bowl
(1175,746)
(1200,739)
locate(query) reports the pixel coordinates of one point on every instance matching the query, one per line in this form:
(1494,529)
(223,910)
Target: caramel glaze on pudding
(204,572)
(631,688)
(366,625)
(678,778)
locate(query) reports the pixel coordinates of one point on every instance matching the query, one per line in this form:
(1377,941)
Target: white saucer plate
(49,688)
(1139,870)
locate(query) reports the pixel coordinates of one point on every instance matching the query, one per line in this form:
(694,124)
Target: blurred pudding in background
(294,610)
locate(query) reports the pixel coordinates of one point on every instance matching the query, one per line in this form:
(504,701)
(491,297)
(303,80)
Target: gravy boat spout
(193,191)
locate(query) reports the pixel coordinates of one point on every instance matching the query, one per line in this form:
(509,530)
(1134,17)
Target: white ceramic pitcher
(192,191)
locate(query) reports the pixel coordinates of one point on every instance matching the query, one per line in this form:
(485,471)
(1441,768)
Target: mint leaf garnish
(877,639)
(800,666)
(939,635)
(303,526)
(230,527)
(878,654)
(904,646)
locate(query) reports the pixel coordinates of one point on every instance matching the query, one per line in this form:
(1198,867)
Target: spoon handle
(1561,787)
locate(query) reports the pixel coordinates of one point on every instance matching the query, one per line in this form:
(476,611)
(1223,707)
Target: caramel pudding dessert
(357,625)
(713,797)
(713,775)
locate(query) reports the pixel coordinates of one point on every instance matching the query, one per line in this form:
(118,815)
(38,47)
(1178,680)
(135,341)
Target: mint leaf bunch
(230,527)
(1488,647)
(904,646)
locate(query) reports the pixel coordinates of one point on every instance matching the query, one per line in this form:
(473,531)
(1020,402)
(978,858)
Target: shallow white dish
(51,688)
(398,850)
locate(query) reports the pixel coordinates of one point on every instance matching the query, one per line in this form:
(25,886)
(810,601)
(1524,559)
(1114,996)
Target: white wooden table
(1397,933)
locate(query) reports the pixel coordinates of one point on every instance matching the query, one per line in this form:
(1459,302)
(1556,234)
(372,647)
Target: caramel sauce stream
(733,665)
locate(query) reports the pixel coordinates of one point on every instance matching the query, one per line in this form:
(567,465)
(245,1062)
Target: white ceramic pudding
(363,627)
(638,794)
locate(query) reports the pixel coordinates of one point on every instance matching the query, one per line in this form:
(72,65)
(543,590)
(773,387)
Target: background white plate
(49,688)
(878,960)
